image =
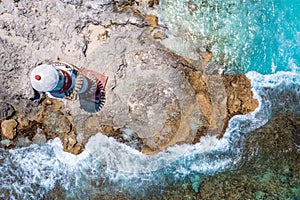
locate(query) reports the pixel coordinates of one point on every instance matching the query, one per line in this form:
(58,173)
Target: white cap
(44,78)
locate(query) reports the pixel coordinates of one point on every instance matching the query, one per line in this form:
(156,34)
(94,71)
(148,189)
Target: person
(61,80)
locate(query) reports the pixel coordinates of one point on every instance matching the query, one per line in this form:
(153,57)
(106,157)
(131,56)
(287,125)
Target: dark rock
(274,139)
(6,110)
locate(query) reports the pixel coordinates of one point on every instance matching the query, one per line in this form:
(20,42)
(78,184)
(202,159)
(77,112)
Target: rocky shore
(154,98)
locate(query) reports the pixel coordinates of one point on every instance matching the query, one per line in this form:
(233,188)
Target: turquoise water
(259,38)
(252,35)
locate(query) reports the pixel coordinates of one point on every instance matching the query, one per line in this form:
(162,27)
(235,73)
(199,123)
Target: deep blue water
(259,38)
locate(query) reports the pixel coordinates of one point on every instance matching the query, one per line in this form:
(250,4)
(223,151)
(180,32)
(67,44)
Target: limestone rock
(8,128)
(161,97)
(240,96)
(146,93)
(22,123)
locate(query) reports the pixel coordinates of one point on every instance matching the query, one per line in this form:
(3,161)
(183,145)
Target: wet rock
(49,122)
(146,92)
(22,142)
(8,128)
(56,123)
(124,135)
(69,142)
(6,110)
(22,123)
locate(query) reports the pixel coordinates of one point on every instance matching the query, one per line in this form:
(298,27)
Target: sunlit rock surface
(154,98)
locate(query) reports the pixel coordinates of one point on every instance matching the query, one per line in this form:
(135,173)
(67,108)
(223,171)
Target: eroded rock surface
(8,128)
(154,98)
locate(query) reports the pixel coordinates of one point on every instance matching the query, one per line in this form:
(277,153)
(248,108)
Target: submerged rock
(278,137)
(270,161)
(196,183)
(239,93)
